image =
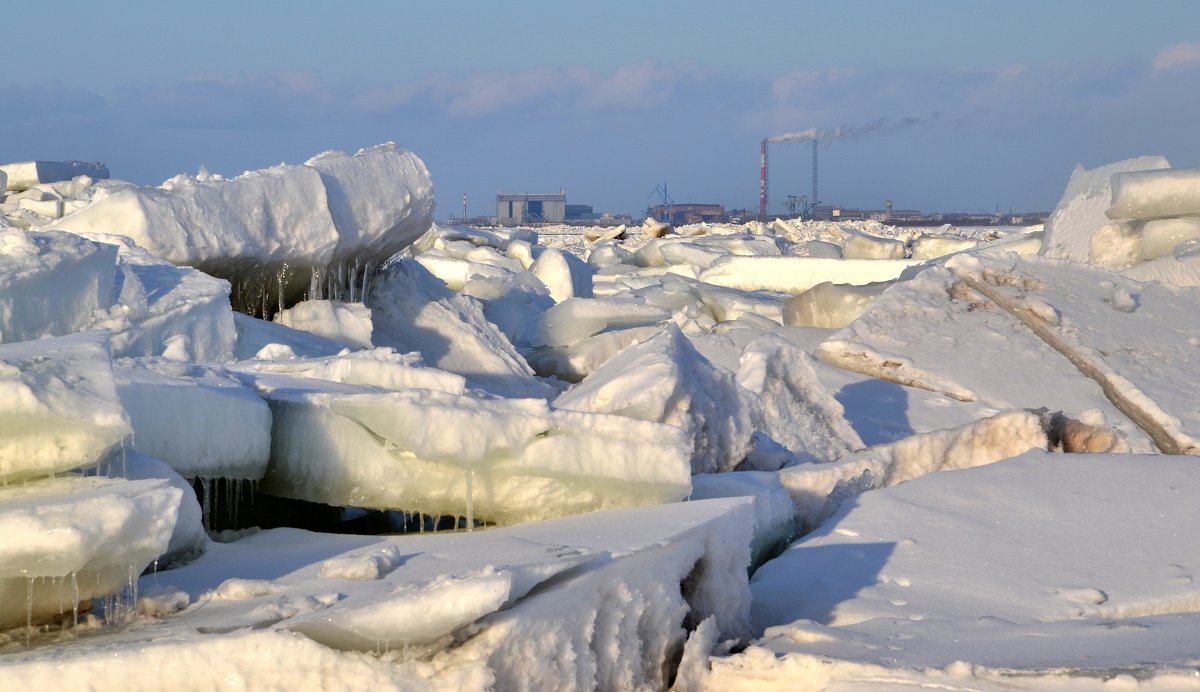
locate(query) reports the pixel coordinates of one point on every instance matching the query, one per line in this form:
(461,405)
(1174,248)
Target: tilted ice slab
(1081,211)
(271,340)
(936,333)
(378,367)
(798,274)
(70,539)
(1137,341)
(52,284)
(201,423)
(414,311)
(793,407)
(818,489)
(665,380)
(348,324)
(504,460)
(1017,572)
(162,309)
(578,602)
(334,207)
(58,406)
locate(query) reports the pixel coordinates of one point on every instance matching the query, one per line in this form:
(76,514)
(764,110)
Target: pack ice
(631,425)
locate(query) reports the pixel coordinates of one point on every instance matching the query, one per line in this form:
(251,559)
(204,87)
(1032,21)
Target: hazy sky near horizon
(969,105)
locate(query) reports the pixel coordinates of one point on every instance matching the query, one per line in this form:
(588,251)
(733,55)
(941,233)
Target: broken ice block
(66,540)
(52,283)
(58,406)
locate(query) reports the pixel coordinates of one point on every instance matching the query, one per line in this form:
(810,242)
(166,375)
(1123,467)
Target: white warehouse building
(514,209)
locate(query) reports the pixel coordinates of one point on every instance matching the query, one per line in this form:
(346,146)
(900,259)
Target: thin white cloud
(1181,56)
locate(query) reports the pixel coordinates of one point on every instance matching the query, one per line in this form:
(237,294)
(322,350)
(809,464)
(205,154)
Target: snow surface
(968,440)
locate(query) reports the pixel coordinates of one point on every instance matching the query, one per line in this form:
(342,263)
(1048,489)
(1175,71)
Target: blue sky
(983,104)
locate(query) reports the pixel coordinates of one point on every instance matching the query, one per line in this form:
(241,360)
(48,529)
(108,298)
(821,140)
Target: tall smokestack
(762,183)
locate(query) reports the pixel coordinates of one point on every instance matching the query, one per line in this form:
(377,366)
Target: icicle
(362,294)
(282,278)
(207,485)
(28,610)
(75,600)
(470,475)
(237,500)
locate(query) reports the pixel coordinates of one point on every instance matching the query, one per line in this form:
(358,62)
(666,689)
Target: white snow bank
(665,380)
(201,423)
(346,323)
(798,274)
(962,579)
(1155,194)
(1134,340)
(70,539)
(1081,211)
(1180,268)
(58,406)
(52,284)
(936,333)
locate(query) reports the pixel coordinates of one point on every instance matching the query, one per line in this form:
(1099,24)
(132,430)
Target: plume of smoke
(851,132)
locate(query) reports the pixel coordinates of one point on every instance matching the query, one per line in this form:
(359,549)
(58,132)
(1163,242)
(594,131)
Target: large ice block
(58,406)
(52,283)
(66,540)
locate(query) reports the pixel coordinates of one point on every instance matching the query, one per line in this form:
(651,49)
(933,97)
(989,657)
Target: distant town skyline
(945,106)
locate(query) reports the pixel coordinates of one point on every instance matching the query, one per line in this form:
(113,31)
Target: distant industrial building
(516,209)
(580,212)
(682,214)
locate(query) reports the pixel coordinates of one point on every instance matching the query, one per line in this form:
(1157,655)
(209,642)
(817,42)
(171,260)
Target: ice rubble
(581,602)
(431,395)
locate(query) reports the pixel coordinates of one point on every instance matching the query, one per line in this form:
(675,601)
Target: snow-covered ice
(972,442)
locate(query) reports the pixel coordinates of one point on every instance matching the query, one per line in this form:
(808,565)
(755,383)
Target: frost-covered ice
(937,333)
(52,284)
(950,421)
(502,460)
(67,540)
(58,406)
(202,423)
(512,601)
